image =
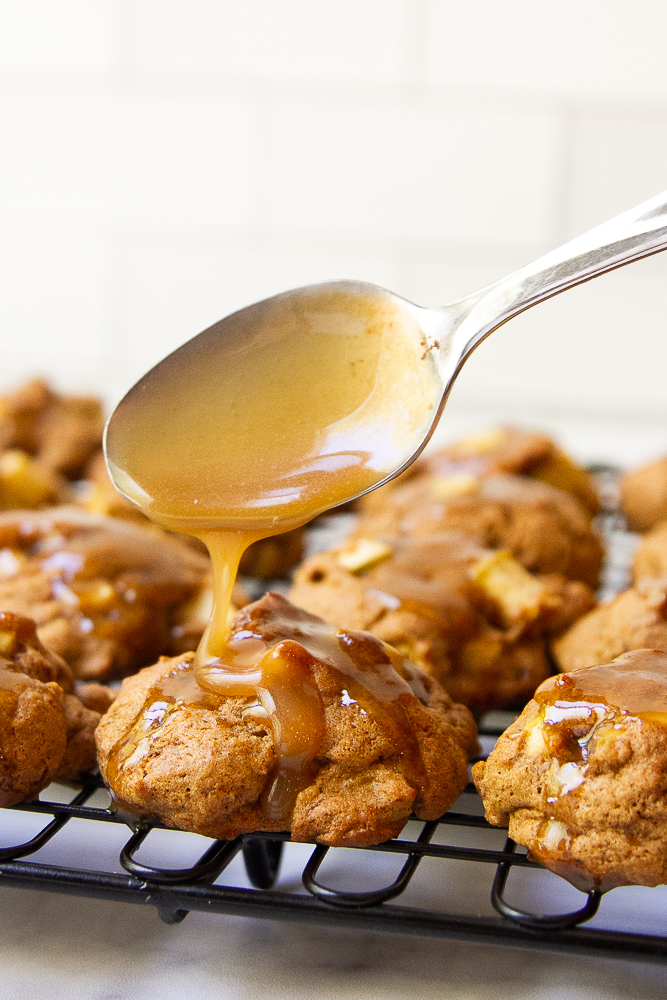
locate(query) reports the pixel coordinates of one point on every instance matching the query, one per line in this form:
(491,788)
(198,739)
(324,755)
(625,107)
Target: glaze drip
(272,661)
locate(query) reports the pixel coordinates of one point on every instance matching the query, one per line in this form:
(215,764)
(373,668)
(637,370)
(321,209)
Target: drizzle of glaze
(634,684)
(270,662)
(177,688)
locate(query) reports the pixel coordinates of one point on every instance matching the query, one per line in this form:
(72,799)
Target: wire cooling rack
(428,866)
(457,877)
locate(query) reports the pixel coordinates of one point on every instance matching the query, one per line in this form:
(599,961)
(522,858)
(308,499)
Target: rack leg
(262,860)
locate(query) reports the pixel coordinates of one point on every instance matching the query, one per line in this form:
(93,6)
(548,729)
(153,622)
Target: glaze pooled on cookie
(327,733)
(581,775)
(514,450)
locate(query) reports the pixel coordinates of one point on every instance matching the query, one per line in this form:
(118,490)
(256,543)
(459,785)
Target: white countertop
(57,947)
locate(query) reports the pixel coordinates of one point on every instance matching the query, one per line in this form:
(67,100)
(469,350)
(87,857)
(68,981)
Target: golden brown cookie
(474,619)
(522,452)
(634,619)
(581,776)
(382,739)
(97,697)
(102,591)
(26,483)
(32,715)
(502,450)
(19,642)
(544,528)
(643,495)
(81,721)
(61,432)
(651,557)
(46,731)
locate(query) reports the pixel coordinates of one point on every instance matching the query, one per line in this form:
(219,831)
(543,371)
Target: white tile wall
(578,49)
(38,37)
(53,312)
(599,347)
(413,171)
(433,277)
(125,157)
(619,158)
(345,42)
(163,162)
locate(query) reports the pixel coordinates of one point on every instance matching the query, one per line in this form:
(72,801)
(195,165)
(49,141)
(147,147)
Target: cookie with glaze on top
(105,594)
(580,777)
(501,450)
(545,529)
(60,432)
(376,738)
(474,619)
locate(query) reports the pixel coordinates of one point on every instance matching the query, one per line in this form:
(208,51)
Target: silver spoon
(409,358)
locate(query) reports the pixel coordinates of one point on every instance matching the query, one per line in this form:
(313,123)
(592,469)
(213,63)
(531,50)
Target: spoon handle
(637,233)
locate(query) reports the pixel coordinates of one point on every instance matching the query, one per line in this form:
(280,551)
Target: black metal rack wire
(175,891)
(423,854)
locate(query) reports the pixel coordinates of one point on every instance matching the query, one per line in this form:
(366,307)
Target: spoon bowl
(316,396)
(279,411)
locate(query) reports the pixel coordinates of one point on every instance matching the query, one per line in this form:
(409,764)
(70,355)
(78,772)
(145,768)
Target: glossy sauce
(635,684)
(585,705)
(254,427)
(272,416)
(269,660)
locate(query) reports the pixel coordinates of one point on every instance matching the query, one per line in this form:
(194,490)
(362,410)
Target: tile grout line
(564,179)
